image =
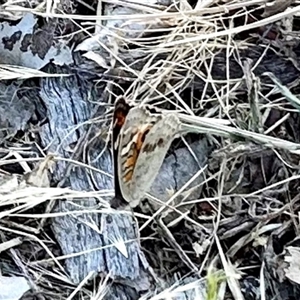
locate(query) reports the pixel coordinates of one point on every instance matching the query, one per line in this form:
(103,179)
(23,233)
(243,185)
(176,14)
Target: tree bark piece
(66,108)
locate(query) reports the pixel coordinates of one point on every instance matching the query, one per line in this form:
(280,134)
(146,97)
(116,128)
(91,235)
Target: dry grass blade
(230,273)
(285,92)
(8,72)
(158,212)
(175,290)
(212,127)
(236,30)
(183,256)
(9,244)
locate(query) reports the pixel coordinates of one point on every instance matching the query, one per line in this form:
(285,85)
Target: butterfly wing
(141,139)
(138,123)
(150,146)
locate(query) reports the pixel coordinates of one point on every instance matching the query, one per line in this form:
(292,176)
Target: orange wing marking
(135,148)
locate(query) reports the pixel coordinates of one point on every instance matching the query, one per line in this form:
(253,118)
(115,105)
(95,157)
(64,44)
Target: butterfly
(141,137)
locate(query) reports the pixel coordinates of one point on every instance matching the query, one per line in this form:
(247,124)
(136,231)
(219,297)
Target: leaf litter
(230,71)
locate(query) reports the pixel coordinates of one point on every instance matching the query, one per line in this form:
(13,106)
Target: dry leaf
(292,272)
(39,176)
(97,58)
(13,49)
(275,7)
(12,288)
(8,183)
